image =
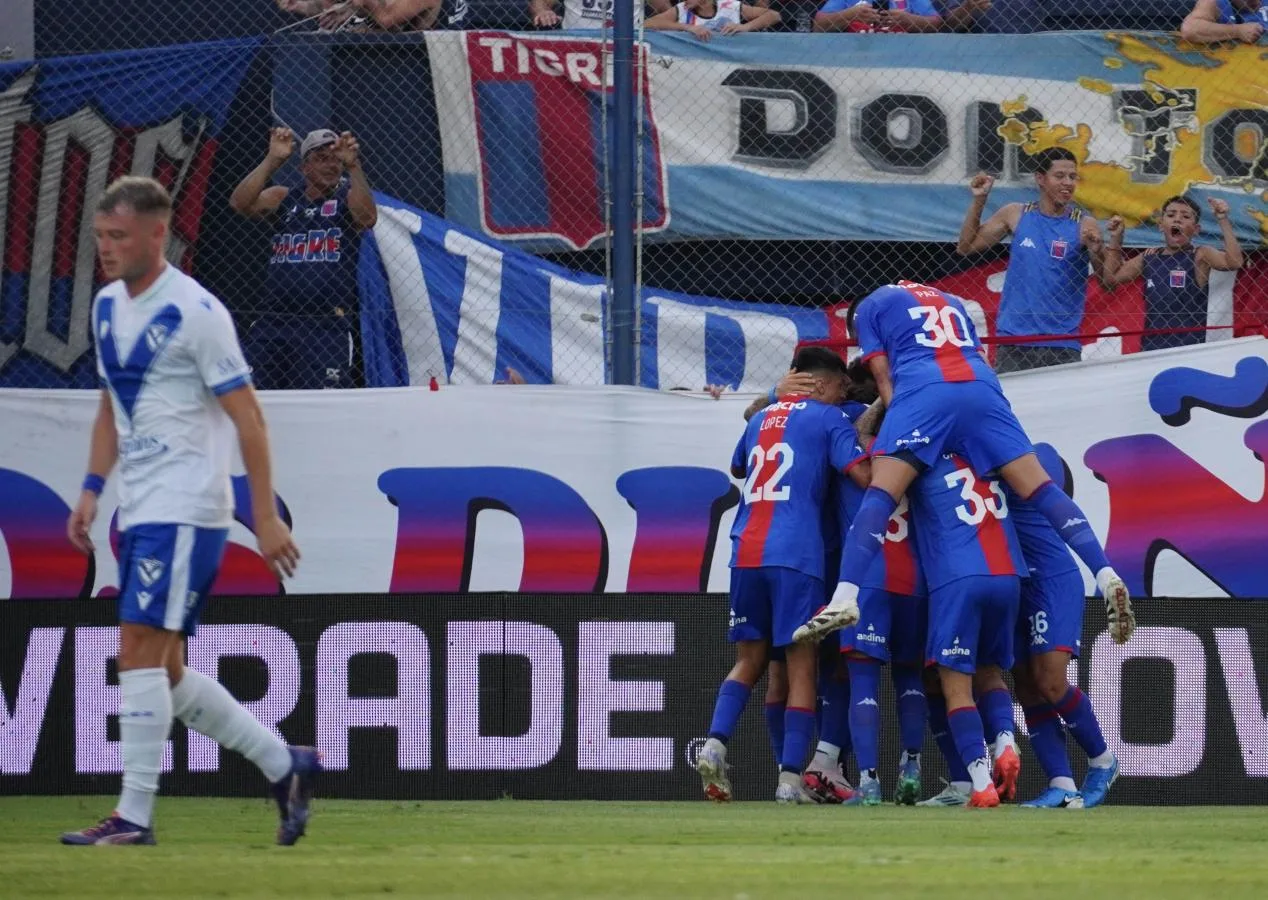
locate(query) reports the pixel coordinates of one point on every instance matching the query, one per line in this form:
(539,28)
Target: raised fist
(981,184)
(281,144)
(1218,206)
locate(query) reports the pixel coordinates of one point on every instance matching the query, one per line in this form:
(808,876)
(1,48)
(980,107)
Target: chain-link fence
(410,191)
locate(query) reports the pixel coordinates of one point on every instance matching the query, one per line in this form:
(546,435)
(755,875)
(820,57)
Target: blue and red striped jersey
(1045,552)
(896,568)
(926,334)
(962,524)
(786,457)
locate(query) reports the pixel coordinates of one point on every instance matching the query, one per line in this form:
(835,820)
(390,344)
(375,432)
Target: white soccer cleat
(711,764)
(826,784)
(789,792)
(1118,607)
(950,796)
(842,611)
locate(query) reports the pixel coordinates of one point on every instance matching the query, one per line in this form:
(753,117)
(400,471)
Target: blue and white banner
(440,301)
(858,137)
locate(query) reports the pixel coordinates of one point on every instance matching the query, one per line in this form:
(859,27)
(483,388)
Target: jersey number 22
(757,487)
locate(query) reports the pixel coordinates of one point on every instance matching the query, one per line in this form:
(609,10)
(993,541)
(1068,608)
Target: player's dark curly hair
(818,359)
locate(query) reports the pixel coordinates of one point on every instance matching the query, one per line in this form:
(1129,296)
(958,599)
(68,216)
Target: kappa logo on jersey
(539,113)
(155,336)
(1027,242)
(149,570)
(1178,278)
(1059,249)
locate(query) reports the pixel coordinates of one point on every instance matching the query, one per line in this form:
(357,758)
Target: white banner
(611,489)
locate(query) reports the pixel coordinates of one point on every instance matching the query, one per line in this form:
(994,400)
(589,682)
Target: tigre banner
(847,137)
(593,490)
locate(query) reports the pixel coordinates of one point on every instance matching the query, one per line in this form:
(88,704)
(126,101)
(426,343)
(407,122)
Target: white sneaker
(789,791)
(1118,607)
(842,611)
(950,796)
(711,764)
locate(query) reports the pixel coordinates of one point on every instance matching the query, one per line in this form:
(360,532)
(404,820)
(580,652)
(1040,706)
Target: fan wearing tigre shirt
(174,389)
(705,18)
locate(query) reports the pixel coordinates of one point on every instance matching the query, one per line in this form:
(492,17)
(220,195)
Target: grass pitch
(745,851)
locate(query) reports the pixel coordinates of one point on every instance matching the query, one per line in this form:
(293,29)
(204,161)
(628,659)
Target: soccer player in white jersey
(175,387)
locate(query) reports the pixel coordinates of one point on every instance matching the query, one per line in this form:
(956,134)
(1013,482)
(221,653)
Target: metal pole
(621,156)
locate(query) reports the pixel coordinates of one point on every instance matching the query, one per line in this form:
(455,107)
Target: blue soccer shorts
(972,622)
(769,603)
(973,418)
(891,627)
(166,572)
(1051,615)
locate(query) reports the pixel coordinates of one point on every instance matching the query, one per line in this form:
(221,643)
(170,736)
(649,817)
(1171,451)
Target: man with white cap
(304,331)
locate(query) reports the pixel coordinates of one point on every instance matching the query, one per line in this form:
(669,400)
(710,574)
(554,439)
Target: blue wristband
(94,483)
(773,396)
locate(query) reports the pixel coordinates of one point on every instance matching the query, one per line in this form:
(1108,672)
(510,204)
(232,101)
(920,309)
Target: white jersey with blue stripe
(165,356)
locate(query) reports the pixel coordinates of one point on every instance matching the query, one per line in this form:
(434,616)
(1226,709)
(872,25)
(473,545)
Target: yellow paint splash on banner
(1221,80)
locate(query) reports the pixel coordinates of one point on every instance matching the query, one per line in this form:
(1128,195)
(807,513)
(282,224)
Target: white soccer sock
(1104,761)
(145,718)
(980,772)
(205,706)
(1063,783)
(826,755)
(1002,742)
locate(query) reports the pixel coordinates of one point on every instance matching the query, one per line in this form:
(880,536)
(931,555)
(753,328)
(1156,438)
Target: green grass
(746,851)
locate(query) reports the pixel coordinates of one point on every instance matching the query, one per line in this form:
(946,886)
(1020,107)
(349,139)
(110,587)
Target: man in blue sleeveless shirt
(305,330)
(1177,273)
(1212,21)
(1045,288)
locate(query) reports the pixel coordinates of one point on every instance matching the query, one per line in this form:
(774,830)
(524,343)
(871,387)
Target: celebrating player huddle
(952,475)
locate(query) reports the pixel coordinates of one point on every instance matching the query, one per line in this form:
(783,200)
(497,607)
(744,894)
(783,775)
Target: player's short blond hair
(144,196)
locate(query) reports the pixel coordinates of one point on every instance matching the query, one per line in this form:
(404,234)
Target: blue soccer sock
(834,728)
(956,772)
(732,698)
(966,729)
(775,729)
(996,710)
(1071,523)
(865,712)
(913,708)
(1048,741)
(861,543)
(799,725)
(1079,717)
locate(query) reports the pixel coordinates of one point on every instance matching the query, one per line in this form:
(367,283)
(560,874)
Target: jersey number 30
(976,507)
(942,326)
(756,486)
